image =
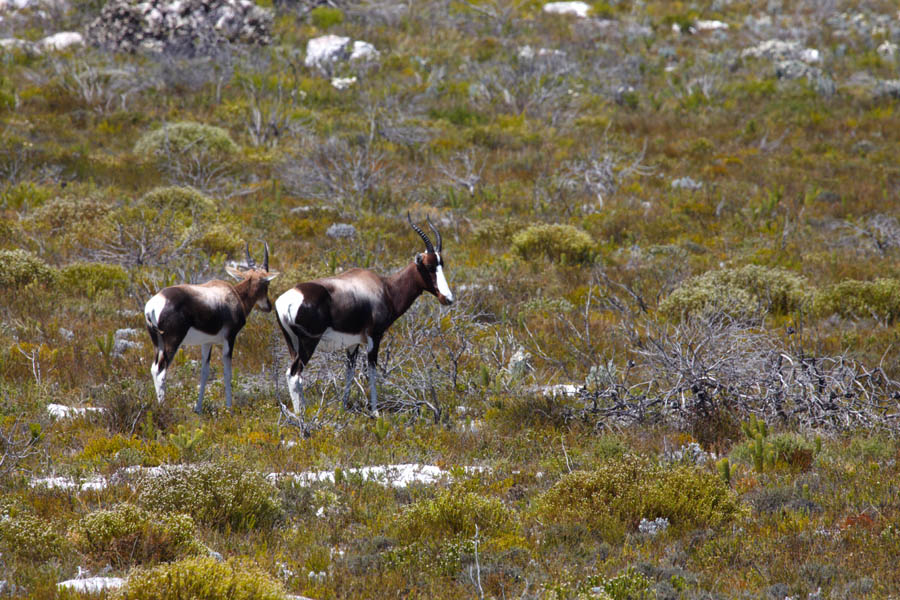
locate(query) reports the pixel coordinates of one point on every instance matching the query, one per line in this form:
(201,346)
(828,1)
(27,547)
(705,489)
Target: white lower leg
(295,387)
(159,382)
(348,382)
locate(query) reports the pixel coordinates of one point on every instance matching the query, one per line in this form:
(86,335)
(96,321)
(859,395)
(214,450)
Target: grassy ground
(575,260)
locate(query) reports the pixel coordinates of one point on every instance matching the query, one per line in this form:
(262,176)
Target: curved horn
(437,234)
(250,262)
(266,258)
(428,246)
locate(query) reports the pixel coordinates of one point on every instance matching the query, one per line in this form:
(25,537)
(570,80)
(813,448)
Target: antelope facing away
(206,314)
(354,309)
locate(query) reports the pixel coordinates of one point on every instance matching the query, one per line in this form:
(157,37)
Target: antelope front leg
(205,351)
(348,378)
(226,359)
(295,384)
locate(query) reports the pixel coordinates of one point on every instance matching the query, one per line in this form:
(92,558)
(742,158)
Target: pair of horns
(252,263)
(428,245)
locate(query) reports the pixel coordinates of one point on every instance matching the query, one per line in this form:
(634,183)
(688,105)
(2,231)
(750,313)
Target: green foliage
(23,195)
(630,585)
(28,537)
(559,243)
(615,496)
(737,292)
(453,514)
(724,468)
(765,452)
(201,579)
(325,17)
(178,200)
(19,268)
(218,494)
(184,137)
(879,299)
(128,534)
(90,278)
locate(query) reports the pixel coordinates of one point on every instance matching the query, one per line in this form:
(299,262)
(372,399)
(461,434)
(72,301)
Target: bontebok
(206,314)
(354,309)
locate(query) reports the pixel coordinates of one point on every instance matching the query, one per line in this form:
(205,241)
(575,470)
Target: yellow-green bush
(63,212)
(185,136)
(324,17)
(453,514)
(738,292)
(201,579)
(558,243)
(90,278)
(879,299)
(178,200)
(28,537)
(219,494)
(19,268)
(128,534)
(614,497)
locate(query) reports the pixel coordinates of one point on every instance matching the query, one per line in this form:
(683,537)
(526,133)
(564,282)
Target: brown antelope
(355,309)
(206,314)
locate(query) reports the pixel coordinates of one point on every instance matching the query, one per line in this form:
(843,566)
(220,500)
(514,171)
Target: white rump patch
(287,305)
(153,309)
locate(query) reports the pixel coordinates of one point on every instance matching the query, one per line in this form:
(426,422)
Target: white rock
(686,183)
(810,55)
(363,51)
(62,40)
(323,49)
(61,411)
(398,476)
(91,585)
(887,49)
(17,44)
(704,25)
(559,389)
(342,83)
(67,483)
(781,50)
(579,9)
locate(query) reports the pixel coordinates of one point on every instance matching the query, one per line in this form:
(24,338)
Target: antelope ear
(419,259)
(272,275)
(234,272)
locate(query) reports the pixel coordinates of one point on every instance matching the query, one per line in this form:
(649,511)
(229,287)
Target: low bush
(128,534)
(90,278)
(614,497)
(324,17)
(558,243)
(183,137)
(852,299)
(218,494)
(201,579)
(178,200)
(737,292)
(453,514)
(19,268)
(25,536)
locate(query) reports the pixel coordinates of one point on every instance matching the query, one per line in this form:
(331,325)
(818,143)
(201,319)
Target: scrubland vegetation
(671,371)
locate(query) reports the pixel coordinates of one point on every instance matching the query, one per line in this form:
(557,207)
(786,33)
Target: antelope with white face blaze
(202,315)
(355,309)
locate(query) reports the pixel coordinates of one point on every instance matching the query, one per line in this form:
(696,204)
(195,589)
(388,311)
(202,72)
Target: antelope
(354,309)
(205,314)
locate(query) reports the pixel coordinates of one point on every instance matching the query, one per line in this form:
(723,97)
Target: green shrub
(737,292)
(128,534)
(19,268)
(615,496)
(453,514)
(559,243)
(90,278)
(27,537)
(201,579)
(785,450)
(325,17)
(219,494)
(178,200)
(879,299)
(183,137)
(61,213)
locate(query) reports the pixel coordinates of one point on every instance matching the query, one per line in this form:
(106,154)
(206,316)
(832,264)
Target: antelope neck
(404,287)
(242,289)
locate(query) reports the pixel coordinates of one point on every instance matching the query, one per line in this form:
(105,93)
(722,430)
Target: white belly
(195,337)
(333,341)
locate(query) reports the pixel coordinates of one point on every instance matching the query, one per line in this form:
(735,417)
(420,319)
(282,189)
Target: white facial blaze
(442,286)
